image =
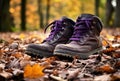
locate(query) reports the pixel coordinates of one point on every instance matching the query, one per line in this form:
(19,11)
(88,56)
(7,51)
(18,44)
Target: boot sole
(67,53)
(38,53)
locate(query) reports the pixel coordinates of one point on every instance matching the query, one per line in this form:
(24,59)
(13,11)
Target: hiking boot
(61,31)
(85,39)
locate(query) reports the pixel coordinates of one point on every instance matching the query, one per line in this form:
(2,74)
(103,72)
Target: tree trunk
(82,6)
(117,14)
(40,14)
(109,12)
(23,15)
(47,12)
(5,22)
(97,2)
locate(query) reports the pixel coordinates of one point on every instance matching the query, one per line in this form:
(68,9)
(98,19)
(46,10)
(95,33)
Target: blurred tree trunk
(41,20)
(23,15)
(109,12)
(5,22)
(82,6)
(47,12)
(97,3)
(117,14)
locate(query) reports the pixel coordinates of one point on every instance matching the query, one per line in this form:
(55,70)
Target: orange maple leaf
(27,71)
(34,71)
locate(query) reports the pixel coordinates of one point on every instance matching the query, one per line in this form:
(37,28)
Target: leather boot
(85,40)
(61,31)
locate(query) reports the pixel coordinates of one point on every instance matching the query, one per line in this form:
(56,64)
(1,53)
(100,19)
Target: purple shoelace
(81,27)
(56,26)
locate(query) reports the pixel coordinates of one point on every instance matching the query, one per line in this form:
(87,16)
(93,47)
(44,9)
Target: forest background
(22,15)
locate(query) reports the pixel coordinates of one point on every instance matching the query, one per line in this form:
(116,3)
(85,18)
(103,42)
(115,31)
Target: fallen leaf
(28,71)
(116,54)
(105,43)
(34,71)
(106,68)
(115,77)
(117,64)
(1,52)
(22,36)
(110,37)
(50,59)
(102,78)
(17,55)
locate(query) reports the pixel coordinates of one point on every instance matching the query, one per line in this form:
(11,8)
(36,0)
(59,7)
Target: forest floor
(15,65)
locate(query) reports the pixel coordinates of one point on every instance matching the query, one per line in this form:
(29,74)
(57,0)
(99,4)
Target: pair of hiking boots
(69,38)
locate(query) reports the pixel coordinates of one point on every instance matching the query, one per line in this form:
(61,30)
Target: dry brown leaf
(73,74)
(102,78)
(50,59)
(117,64)
(117,36)
(106,68)
(1,52)
(111,49)
(34,71)
(55,72)
(116,55)
(17,55)
(115,77)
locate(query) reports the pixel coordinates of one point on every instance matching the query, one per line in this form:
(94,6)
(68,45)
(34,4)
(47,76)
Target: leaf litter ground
(15,65)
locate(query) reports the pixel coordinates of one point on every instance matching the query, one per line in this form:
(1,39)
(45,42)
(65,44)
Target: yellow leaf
(104,43)
(110,37)
(22,36)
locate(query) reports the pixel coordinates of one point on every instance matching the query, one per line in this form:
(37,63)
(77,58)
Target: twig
(81,73)
(57,78)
